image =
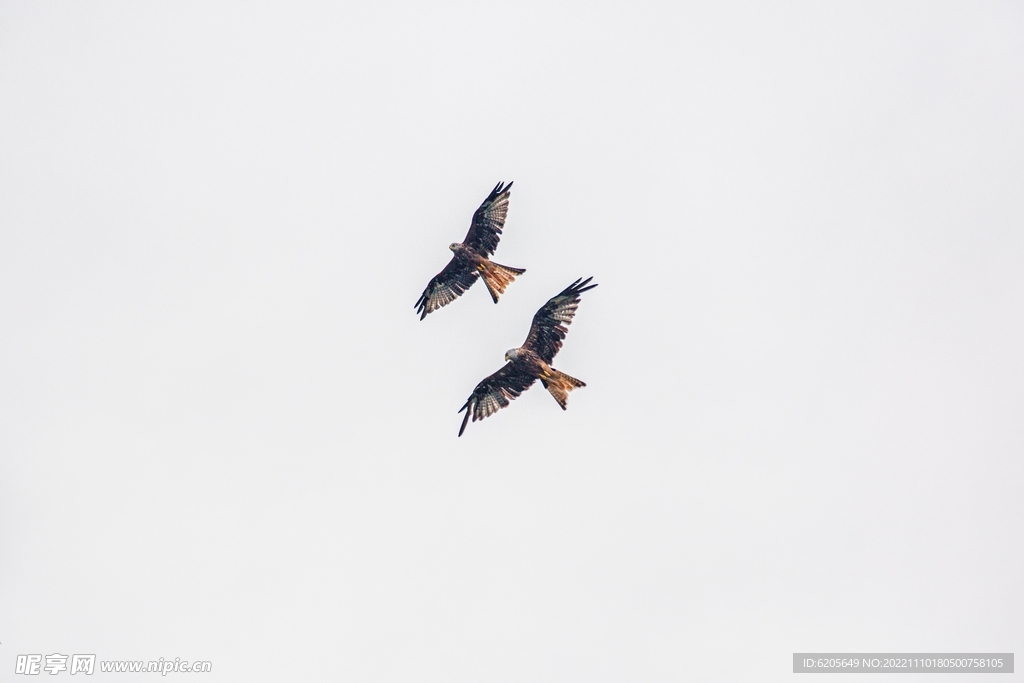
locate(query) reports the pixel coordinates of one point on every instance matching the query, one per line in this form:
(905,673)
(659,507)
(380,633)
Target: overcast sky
(225,434)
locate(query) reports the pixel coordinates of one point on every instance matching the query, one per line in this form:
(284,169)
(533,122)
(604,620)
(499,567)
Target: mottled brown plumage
(532,360)
(471,258)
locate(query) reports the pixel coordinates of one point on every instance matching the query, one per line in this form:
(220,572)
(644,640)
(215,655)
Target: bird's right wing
(446,286)
(495,392)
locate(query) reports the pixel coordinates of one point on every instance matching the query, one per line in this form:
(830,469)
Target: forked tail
(497,277)
(560,384)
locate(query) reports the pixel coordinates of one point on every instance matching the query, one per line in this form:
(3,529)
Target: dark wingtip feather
(579,286)
(465,419)
(570,289)
(421,305)
(582,287)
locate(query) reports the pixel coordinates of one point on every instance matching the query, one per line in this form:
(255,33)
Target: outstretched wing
(495,392)
(485,231)
(446,286)
(549,323)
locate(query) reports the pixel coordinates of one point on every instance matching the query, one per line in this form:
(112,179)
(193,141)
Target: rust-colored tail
(560,384)
(497,277)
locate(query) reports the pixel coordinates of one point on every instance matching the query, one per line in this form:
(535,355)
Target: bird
(531,361)
(470,258)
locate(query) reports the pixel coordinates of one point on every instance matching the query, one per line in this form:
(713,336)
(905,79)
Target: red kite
(532,360)
(471,258)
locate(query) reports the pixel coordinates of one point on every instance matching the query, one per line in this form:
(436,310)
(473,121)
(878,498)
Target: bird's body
(555,381)
(471,258)
(532,361)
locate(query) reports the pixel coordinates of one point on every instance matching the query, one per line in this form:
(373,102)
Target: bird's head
(512,354)
(454,246)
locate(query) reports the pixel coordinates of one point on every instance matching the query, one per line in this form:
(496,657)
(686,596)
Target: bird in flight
(532,360)
(471,258)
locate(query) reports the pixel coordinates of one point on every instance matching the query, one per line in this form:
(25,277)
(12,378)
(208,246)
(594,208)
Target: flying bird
(532,360)
(471,258)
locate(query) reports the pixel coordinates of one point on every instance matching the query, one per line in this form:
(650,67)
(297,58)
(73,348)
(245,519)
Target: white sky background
(225,434)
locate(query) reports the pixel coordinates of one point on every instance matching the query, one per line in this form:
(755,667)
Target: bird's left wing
(495,392)
(549,323)
(489,219)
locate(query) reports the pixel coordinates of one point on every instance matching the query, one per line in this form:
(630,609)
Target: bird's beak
(506,356)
